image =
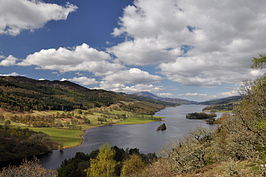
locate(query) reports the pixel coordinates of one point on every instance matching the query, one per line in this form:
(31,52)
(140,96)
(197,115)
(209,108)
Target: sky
(192,49)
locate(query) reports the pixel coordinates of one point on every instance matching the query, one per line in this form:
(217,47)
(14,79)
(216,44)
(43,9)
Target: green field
(135,121)
(69,137)
(66,137)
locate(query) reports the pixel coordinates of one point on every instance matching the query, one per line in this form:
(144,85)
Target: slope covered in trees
(24,94)
(19,93)
(19,143)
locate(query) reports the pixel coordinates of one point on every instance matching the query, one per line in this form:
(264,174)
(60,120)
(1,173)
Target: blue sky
(166,47)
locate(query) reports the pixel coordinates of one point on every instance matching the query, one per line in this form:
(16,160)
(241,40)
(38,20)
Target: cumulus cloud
(131,76)
(18,15)
(119,87)
(82,80)
(8,61)
(79,58)
(221,38)
(206,71)
(130,80)
(144,51)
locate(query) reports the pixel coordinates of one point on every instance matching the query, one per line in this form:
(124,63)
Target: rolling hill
(222,100)
(168,100)
(18,93)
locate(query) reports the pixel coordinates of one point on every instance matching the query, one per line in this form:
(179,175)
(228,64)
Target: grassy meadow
(67,127)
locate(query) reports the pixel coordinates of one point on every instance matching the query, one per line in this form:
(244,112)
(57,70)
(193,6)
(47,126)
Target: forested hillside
(24,94)
(19,93)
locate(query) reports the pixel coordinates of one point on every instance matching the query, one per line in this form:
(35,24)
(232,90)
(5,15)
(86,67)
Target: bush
(27,169)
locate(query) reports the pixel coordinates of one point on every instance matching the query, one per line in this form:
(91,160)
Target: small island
(200,115)
(162,127)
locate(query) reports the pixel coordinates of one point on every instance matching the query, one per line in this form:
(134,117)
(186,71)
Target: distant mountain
(222,100)
(19,93)
(168,100)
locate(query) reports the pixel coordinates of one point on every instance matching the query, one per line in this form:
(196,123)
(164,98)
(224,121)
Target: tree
(2,117)
(259,62)
(132,166)
(7,122)
(28,169)
(104,164)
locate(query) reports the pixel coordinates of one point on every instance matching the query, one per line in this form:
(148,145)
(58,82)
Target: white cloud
(8,61)
(144,51)
(131,88)
(165,94)
(131,80)
(208,70)
(18,15)
(82,80)
(205,96)
(224,36)
(194,94)
(131,76)
(79,58)
(229,93)
(11,74)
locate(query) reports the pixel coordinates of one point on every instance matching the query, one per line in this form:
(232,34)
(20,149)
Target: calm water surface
(144,136)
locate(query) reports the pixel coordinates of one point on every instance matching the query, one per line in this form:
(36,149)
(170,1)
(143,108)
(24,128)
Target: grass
(135,121)
(66,137)
(73,137)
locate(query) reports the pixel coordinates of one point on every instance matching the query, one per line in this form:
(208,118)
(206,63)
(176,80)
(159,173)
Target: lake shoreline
(115,123)
(132,135)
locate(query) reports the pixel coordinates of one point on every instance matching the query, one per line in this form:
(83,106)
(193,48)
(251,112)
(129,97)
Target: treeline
(24,94)
(52,120)
(200,115)
(106,162)
(220,107)
(18,143)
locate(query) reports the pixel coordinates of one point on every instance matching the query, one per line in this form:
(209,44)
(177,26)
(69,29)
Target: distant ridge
(19,93)
(222,100)
(169,100)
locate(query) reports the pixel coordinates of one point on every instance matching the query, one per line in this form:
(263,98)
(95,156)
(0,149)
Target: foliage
(19,93)
(65,137)
(222,100)
(104,164)
(258,62)
(19,143)
(24,94)
(76,166)
(236,148)
(162,127)
(161,168)
(220,107)
(132,166)
(27,169)
(200,115)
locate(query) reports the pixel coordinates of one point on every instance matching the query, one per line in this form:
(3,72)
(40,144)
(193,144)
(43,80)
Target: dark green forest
(19,93)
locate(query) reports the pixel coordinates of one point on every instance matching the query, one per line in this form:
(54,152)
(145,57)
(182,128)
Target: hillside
(19,93)
(222,100)
(168,100)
